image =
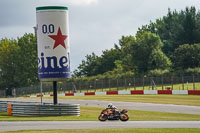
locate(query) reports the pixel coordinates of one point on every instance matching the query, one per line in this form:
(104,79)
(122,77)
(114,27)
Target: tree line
(170,45)
(18,62)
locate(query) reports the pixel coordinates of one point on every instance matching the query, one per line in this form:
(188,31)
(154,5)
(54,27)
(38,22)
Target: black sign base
(55,99)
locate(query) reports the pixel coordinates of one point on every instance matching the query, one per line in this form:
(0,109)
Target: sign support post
(41,95)
(55,99)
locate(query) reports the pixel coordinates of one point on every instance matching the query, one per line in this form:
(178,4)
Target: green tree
(88,67)
(125,47)
(176,28)
(146,53)
(27,66)
(8,52)
(107,60)
(94,65)
(186,56)
(18,62)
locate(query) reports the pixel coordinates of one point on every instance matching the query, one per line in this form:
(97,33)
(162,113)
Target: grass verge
(127,130)
(192,100)
(91,114)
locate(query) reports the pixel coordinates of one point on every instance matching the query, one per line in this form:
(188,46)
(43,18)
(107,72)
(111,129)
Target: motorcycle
(109,114)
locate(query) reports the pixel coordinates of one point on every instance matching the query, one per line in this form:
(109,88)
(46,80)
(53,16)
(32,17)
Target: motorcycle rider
(112,108)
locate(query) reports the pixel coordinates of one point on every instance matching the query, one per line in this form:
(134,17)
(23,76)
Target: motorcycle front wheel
(124,117)
(103,117)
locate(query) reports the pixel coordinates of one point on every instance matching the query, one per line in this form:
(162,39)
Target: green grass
(127,130)
(192,100)
(92,113)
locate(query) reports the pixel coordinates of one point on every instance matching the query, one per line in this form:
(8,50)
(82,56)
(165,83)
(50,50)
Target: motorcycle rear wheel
(103,118)
(124,117)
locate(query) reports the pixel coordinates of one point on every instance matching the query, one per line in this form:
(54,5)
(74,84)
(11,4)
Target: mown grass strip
(127,130)
(92,113)
(192,100)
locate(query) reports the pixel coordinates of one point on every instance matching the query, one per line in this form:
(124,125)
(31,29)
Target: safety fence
(37,109)
(125,83)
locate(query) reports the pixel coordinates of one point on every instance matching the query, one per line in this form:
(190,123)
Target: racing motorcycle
(109,114)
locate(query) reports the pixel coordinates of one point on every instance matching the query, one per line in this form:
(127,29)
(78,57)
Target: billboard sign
(53,43)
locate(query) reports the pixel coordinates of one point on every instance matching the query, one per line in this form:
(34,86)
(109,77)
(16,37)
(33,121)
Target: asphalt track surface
(49,125)
(44,125)
(127,105)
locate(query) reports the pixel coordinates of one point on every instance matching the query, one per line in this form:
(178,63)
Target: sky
(94,25)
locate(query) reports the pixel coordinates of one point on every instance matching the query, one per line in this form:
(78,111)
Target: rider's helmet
(110,105)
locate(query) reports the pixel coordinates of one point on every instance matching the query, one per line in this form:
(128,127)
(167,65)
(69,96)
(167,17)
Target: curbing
(131,92)
(112,93)
(134,92)
(180,92)
(151,92)
(193,92)
(164,92)
(79,94)
(100,93)
(124,92)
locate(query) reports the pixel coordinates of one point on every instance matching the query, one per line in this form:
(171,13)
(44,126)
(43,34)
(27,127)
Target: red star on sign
(59,39)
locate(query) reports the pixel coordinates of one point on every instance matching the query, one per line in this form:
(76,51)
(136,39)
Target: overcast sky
(95,25)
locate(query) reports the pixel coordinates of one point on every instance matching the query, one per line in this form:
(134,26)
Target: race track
(42,125)
(47,125)
(127,105)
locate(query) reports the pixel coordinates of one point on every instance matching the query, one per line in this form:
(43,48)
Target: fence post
(49,90)
(182,82)
(162,82)
(193,82)
(143,83)
(172,81)
(95,85)
(41,91)
(152,85)
(80,86)
(117,84)
(102,85)
(125,83)
(134,83)
(109,84)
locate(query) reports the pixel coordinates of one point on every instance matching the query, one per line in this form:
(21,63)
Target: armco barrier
(45,109)
(3,107)
(37,109)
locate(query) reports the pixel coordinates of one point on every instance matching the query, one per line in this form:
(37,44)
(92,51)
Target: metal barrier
(45,109)
(37,109)
(3,106)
